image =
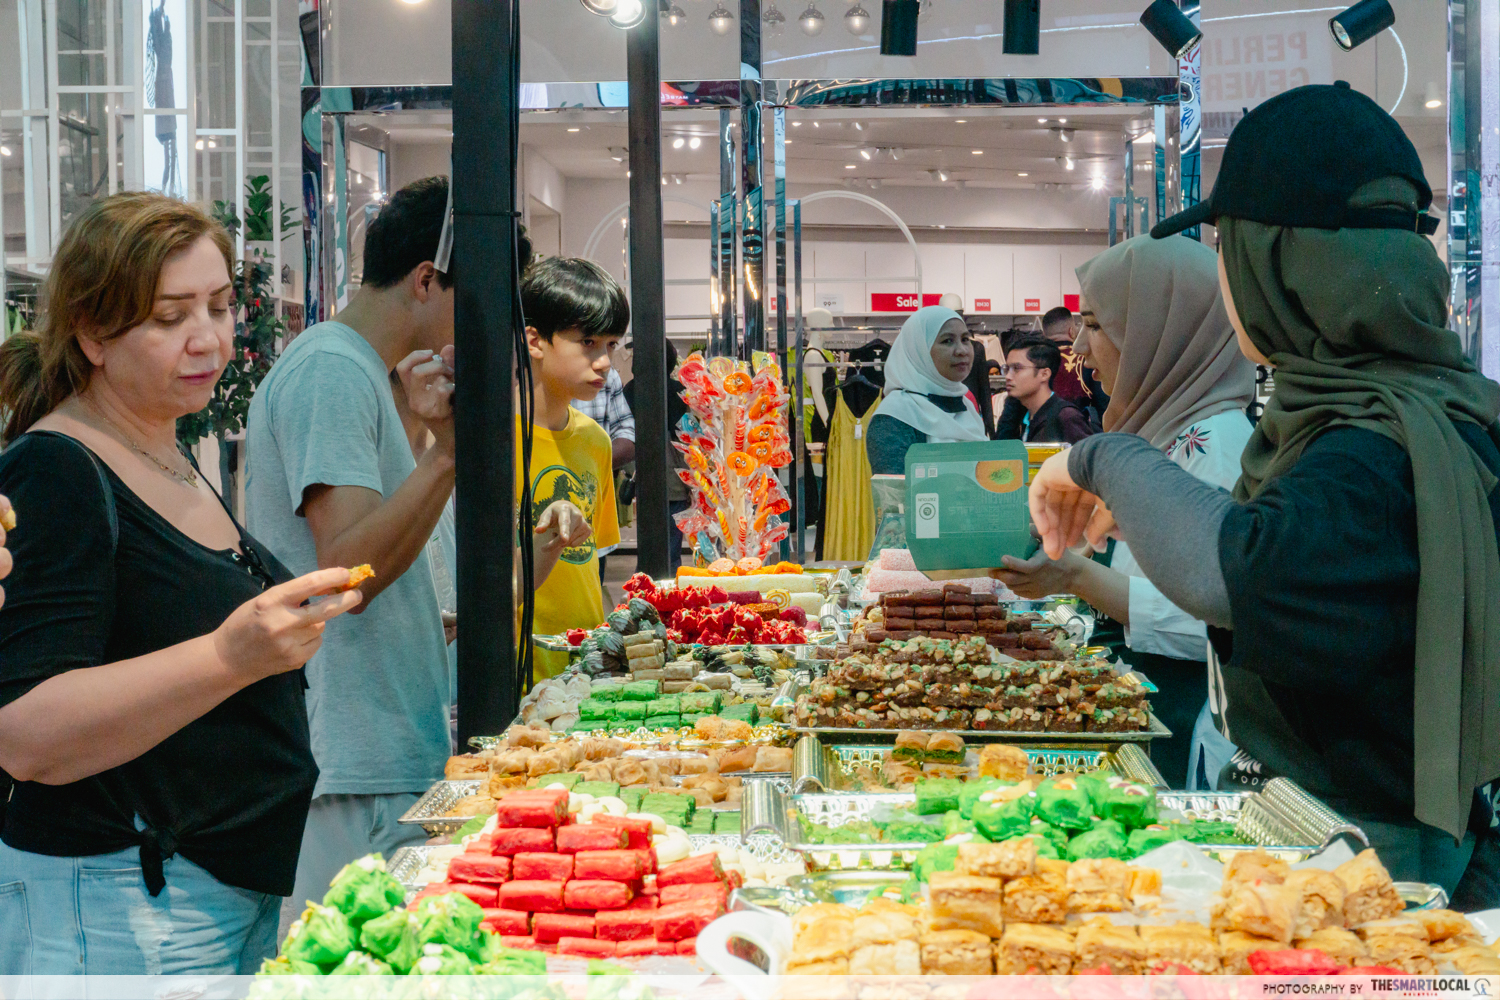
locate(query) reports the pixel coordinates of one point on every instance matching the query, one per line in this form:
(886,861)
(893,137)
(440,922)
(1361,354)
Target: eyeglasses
(1007,369)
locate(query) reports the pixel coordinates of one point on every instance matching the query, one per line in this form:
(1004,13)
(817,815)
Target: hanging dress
(849,511)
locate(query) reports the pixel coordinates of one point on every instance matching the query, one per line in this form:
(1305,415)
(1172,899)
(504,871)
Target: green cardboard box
(966,506)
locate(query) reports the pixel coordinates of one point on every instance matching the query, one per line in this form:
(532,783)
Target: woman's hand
(1062,511)
(275,632)
(561,527)
(1039,576)
(7,516)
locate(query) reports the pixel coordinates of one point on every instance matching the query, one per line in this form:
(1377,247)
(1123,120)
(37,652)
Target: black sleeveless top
(230,790)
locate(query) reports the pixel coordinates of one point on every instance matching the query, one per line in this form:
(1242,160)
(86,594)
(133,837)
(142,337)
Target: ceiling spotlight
(604,8)
(1361,23)
(1041,121)
(679,142)
(1065,134)
(796,124)
(677,178)
(895,153)
(213,144)
(1068,162)
(865,153)
(848,166)
(874,183)
(4,150)
(1023,23)
(774,20)
(898,27)
(1172,28)
(695,142)
(1023,174)
(1433,98)
(672,14)
(573,130)
(618,153)
(811,21)
(976,152)
(720,21)
(858,126)
(196,145)
(663,182)
(943,175)
(1062,121)
(628,13)
(1098,182)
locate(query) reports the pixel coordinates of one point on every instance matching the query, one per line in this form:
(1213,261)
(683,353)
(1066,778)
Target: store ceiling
(1008,148)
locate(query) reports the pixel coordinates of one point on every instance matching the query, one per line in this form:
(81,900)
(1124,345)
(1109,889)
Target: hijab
(1159,304)
(911,377)
(1354,321)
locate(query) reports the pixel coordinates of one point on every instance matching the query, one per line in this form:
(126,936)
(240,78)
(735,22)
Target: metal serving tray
(1282,817)
(815,767)
(427,811)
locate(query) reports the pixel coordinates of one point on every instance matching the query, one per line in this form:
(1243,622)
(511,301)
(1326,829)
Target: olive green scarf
(1353,321)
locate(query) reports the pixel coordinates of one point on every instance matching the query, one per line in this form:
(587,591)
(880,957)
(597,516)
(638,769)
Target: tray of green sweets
(1071,817)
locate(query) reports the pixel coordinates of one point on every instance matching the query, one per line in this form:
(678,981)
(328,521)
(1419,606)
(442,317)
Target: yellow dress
(849,523)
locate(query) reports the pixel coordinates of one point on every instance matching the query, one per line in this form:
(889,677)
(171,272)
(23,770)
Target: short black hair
(1057,314)
(406,233)
(571,293)
(1042,353)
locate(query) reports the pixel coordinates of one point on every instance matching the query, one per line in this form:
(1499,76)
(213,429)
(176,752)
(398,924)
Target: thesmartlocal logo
(1386,986)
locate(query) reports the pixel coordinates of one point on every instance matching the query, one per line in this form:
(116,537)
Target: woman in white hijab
(926,398)
(1155,332)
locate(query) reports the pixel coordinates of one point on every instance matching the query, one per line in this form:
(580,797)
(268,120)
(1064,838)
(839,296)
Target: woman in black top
(1352,581)
(151,702)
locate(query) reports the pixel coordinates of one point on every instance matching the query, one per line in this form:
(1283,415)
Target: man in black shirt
(1031,366)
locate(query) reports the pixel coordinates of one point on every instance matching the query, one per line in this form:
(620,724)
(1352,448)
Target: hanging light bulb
(628,13)
(673,14)
(811,21)
(857,20)
(774,20)
(720,21)
(604,8)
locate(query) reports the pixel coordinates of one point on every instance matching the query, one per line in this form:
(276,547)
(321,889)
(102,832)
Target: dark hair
(102,283)
(406,233)
(1042,353)
(1057,314)
(570,293)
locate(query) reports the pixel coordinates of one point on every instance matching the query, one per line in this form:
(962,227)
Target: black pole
(484,157)
(647,289)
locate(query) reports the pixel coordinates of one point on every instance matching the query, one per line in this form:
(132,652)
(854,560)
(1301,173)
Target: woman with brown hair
(151,705)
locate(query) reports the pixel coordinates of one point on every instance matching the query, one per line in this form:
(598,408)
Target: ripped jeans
(64,916)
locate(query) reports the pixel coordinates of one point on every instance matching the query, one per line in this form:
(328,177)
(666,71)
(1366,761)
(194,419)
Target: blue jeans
(64,916)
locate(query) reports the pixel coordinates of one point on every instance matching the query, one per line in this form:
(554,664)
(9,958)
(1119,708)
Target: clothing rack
(872,363)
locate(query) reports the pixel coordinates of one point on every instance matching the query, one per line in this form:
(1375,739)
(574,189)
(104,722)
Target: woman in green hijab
(1352,581)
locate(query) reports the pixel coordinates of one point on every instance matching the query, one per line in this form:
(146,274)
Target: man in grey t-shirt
(332,482)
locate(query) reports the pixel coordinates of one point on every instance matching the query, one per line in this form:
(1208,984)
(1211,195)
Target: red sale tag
(982,305)
(1071,301)
(894,302)
(1033,305)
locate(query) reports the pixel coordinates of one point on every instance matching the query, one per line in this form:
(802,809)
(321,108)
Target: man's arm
(354,524)
(1008,425)
(622,451)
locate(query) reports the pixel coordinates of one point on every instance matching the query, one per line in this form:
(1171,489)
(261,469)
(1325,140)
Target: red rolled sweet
(534,895)
(543,866)
(636,947)
(555,926)
(472,867)
(685,919)
(514,840)
(701,868)
(733,878)
(642,902)
(717,891)
(596,894)
(499,921)
(688,946)
(619,866)
(623,925)
(638,831)
(591,837)
(534,808)
(588,947)
(484,895)
(519,941)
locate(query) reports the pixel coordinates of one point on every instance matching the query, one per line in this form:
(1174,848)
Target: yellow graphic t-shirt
(573,464)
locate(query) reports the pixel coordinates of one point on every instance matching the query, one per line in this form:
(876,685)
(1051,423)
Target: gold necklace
(191,478)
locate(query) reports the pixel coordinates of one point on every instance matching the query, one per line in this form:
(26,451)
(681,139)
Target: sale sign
(982,305)
(901,301)
(1032,305)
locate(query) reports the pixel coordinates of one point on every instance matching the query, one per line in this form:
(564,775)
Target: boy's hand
(428,380)
(562,526)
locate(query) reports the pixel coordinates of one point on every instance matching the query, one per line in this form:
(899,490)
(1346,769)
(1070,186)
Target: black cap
(1298,158)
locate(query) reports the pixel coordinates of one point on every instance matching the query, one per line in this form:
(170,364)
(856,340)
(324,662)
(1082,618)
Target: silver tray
(427,811)
(1281,818)
(813,764)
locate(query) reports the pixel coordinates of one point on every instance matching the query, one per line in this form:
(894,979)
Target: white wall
(413,161)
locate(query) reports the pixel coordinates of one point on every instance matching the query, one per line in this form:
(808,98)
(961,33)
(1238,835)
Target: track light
(943,175)
(628,13)
(1023,24)
(1171,27)
(720,21)
(1361,23)
(694,142)
(857,20)
(1433,97)
(774,20)
(604,8)
(865,153)
(898,27)
(811,21)
(679,142)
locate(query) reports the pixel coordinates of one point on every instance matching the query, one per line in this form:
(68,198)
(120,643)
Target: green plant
(257,332)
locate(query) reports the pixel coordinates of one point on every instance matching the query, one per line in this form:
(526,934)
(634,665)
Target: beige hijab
(1158,302)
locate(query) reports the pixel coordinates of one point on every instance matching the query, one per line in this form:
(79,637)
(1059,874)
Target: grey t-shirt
(379,697)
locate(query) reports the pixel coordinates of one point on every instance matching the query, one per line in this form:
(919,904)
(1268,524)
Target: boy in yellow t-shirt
(576,314)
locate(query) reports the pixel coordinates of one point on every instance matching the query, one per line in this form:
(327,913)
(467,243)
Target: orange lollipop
(737,384)
(742,464)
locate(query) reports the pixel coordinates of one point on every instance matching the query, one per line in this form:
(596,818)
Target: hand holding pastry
(278,631)
(1060,509)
